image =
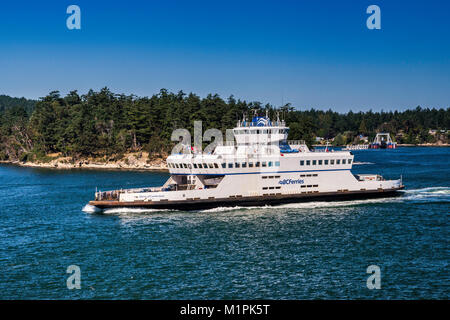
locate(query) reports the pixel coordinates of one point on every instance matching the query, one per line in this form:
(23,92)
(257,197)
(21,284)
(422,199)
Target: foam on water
(91,209)
(429,194)
(120,211)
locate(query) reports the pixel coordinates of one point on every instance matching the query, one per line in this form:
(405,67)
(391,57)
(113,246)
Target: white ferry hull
(275,199)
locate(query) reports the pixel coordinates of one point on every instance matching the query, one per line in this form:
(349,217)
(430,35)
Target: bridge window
(244,164)
(277,163)
(264,164)
(257,164)
(332,161)
(195,165)
(210,165)
(314,162)
(302,162)
(230,165)
(338,161)
(308,162)
(236,165)
(189,166)
(184,165)
(224,165)
(216,165)
(326,162)
(349,161)
(320,162)
(270,163)
(343,161)
(250,164)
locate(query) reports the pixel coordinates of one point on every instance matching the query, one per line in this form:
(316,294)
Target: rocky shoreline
(129,162)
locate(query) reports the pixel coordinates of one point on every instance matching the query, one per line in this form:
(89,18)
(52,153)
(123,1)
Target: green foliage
(104,124)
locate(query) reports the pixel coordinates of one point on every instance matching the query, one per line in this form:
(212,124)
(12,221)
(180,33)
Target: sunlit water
(294,251)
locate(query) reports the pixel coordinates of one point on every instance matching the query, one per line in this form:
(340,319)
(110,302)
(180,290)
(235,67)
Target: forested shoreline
(105,125)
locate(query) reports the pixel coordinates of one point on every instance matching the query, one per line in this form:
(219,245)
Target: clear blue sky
(311,53)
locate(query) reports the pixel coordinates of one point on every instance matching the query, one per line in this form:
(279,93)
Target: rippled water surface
(297,251)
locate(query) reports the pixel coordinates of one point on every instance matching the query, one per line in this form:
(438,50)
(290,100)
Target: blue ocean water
(314,250)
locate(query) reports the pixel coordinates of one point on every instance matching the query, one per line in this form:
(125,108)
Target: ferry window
(270,177)
(264,177)
(195,166)
(309,186)
(236,165)
(303,186)
(332,161)
(250,164)
(271,188)
(277,163)
(277,177)
(264,188)
(302,175)
(314,175)
(314,162)
(320,162)
(216,165)
(349,161)
(338,161)
(230,165)
(264,164)
(315,186)
(270,163)
(244,164)
(343,161)
(309,175)
(277,187)
(224,165)
(308,162)
(257,164)
(326,162)
(302,162)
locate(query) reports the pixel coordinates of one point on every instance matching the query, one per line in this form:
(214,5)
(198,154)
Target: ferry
(260,167)
(383,141)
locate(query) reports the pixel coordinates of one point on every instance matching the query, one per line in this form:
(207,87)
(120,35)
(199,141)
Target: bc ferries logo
(290,181)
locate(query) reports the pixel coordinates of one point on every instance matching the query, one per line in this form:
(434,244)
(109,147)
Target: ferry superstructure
(261,168)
